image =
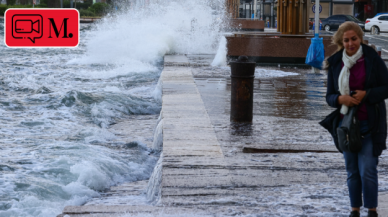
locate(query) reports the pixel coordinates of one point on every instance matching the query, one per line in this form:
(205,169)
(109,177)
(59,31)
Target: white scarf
(343,79)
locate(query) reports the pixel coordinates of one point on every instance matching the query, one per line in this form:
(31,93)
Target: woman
(357,68)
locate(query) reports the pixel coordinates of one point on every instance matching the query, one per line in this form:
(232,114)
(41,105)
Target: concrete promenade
(284,164)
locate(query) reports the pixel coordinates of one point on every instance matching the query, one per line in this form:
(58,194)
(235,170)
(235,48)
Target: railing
(88,20)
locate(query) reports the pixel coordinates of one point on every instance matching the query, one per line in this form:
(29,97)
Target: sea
(60,107)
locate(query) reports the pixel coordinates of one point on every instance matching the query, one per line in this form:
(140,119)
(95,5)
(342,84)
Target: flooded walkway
(283,164)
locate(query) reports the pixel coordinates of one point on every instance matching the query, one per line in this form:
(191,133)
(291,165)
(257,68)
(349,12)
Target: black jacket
(377,91)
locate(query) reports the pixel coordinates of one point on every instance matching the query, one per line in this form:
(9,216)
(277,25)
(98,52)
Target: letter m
(64,25)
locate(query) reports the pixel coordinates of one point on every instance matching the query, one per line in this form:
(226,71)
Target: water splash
(153,188)
(220,58)
(158,137)
(270,73)
(146,32)
(60,106)
(157,93)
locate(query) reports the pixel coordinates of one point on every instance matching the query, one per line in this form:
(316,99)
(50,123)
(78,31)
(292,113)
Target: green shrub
(41,5)
(11,2)
(78,5)
(66,4)
(99,8)
(88,2)
(19,6)
(85,5)
(3,8)
(86,13)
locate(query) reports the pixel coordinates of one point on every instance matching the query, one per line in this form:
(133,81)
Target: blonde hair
(338,36)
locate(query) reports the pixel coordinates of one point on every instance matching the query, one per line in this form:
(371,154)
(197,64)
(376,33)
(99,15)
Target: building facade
(267,9)
(362,9)
(334,7)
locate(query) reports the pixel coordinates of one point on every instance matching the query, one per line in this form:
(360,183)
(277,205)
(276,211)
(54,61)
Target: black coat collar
(369,53)
(335,63)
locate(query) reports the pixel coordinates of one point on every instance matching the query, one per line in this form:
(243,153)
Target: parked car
(378,14)
(333,22)
(312,21)
(380,22)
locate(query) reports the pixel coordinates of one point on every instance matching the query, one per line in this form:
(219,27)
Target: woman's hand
(359,95)
(347,100)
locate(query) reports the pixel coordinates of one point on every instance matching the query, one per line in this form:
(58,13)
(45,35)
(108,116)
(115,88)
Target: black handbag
(330,123)
(349,135)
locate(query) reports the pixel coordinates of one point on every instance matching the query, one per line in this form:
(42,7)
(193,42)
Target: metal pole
(71,3)
(255,10)
(242,77)
(316,18)
(272,18)
(261,10)
(250,10)
(61,3)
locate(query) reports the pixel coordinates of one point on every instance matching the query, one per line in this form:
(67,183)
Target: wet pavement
(379,40)
(284,138)
(286,109)
(283,164)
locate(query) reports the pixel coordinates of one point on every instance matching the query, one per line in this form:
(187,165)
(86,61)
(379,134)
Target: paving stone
(176,60)
(205,170)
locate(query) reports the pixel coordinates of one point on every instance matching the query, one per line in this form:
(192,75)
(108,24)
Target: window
(333,18)
(341,18)
(385,18)
(351,18)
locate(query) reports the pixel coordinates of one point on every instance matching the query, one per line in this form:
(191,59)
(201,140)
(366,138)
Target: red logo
(41,28)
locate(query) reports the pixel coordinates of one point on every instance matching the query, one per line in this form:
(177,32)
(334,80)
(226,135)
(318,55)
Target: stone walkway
(211,167)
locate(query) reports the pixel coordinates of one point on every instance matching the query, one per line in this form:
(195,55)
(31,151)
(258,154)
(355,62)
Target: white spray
(157,144)
(220,58)
(153,188)
(147,31)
